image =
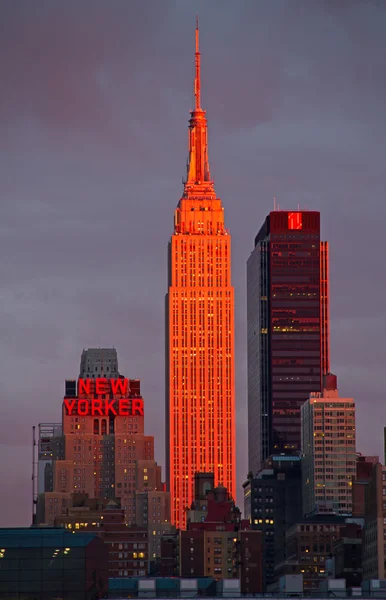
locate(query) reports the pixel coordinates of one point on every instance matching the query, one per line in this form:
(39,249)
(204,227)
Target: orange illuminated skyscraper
(200,387)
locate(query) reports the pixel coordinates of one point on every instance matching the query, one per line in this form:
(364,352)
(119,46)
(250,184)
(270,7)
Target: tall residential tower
(329,456)
(200,388)
(288,329)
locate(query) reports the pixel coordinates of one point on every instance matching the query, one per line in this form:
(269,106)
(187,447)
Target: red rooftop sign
(93,406)
(101,385)
(105,408)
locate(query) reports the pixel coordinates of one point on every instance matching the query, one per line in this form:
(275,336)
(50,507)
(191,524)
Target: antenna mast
(197,79)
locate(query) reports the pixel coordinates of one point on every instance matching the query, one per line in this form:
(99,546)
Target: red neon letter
(96,407)
(295,220)
(69,405)
(119,386)
(123,408)
(109,406)
(137,406)
(101,385)
(82,408)
(84,386)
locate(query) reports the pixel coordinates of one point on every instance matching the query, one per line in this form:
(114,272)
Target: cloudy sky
(94,107)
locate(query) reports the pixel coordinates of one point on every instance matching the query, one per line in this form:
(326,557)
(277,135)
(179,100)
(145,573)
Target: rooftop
(35,537)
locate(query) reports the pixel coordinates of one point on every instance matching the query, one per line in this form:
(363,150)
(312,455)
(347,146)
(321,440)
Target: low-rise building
(364,473)
(153,511)
(168,565)
(127,545)
(309,549)
(374,555)
(273,503)
(348,555)
(52,563)
(217,542)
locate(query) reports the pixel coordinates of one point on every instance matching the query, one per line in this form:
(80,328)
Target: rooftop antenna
(197,79)
(274,204)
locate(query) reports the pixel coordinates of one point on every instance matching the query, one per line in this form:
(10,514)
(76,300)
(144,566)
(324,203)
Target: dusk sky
(94,108)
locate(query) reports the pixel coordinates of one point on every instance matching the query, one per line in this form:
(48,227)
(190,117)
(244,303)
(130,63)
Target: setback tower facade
(100,449)
(288,330)
(200,388)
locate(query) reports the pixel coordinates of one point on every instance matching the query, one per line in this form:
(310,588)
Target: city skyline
(93,143)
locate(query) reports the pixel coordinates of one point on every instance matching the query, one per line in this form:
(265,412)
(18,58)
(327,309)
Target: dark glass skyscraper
(288,329)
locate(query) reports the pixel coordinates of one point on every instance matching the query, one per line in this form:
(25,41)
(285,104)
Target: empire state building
(200,384)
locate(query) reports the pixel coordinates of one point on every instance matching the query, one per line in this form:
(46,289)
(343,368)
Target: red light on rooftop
(295,220)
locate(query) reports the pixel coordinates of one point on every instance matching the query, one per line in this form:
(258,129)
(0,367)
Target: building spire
(198,162)
(197,79)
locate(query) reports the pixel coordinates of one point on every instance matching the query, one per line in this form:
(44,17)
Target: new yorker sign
(91,406)
(123,407)
(101,385)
